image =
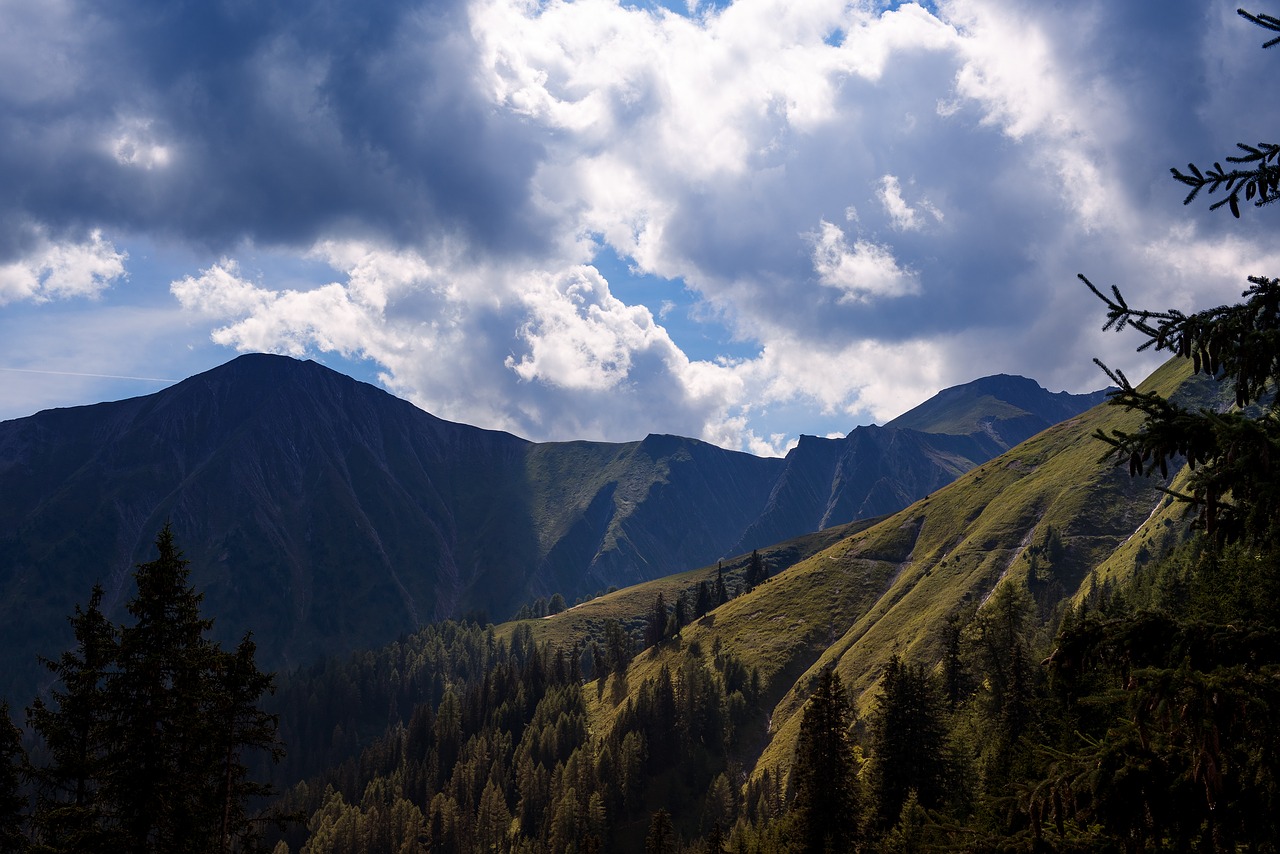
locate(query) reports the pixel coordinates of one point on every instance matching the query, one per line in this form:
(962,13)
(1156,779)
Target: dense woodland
(1137,717)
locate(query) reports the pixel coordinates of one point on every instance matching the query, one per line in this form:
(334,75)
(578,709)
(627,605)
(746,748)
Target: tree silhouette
(1229,453)
(825,811)
(147,733)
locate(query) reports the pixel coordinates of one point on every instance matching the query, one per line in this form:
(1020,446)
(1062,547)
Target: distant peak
(973,406)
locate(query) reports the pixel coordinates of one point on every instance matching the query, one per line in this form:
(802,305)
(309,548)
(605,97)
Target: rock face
(326,515)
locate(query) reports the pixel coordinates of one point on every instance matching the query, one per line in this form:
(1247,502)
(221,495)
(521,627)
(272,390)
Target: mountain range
(1053,516)
(327,515)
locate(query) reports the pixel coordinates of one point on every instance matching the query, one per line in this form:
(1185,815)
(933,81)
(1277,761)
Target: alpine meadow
(273,608)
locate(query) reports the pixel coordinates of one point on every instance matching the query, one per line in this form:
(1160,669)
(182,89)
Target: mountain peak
(983,404)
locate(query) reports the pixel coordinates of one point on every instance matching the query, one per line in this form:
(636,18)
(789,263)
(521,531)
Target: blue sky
(735,221)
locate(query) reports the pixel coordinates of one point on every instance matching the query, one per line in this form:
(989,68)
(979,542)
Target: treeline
(496,754)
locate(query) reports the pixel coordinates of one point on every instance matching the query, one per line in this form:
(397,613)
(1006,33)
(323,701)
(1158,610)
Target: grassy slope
(851,598)
(630,606)
(567,476)
(891,587)
(960,417)
(976,532)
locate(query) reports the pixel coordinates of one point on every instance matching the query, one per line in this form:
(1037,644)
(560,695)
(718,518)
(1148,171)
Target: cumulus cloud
(62,269)
(551,355)
(874,202)
(579,336)
(861,272)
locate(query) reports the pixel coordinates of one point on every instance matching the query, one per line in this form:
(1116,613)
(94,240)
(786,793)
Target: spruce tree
(162,698)
(661,838)
(1232,484)
(825,811)
(756,573)
(703,603)
(908,740)
(71,811)
(237,726)
(656,628)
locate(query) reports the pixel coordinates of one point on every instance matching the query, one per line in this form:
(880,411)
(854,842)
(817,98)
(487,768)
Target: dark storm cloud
(283,123)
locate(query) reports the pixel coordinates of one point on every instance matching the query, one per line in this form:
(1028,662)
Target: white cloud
(862,272)
(903,216)
(62,270)
(579,336)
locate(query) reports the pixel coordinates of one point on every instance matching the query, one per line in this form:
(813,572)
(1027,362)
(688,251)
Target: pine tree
(71,813)
(825,811)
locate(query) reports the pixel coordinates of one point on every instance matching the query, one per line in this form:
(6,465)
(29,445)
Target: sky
(737,221)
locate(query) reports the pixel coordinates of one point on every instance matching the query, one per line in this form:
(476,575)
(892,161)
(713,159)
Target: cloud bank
(869,201)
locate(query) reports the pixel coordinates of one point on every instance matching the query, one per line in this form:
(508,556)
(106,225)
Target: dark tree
(679,614)
(147,733)
(656,629)
(721,591)
(1229,453)
(661,838)
(618,646)
(825,811)
(239,726)
(74,725)
(161,698)
(703,604)
(715,840)
(908,738)
(12,802)
(755,573)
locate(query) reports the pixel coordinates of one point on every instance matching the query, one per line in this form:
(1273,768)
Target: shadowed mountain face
(325,514)
(879,470)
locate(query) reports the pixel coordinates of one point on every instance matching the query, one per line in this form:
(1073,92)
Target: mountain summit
(326,514)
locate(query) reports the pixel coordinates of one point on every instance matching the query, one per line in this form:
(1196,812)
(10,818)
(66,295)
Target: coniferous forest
(1137,714)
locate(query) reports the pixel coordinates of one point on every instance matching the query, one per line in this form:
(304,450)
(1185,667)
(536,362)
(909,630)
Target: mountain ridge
(326,514)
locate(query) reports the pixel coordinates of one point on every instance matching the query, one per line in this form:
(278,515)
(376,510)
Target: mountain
(327,515)
(1051,513)
(704,723)
(1006,408)
(879,470)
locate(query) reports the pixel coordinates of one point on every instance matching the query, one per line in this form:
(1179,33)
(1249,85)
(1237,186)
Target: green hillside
(1046,512)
